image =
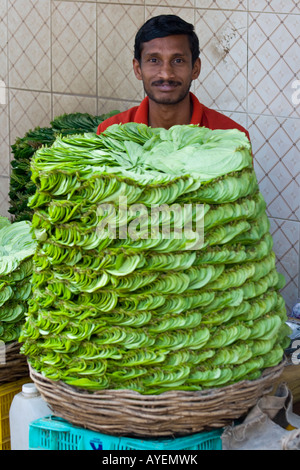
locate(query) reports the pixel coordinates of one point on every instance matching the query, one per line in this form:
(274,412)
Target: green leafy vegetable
(17,248)
(133,309)
(21,185)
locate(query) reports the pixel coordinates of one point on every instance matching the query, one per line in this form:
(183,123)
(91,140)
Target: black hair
(162,26)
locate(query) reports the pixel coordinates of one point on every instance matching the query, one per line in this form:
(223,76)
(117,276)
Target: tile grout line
(51,58)
(97,55)
(8,92)
(247,70)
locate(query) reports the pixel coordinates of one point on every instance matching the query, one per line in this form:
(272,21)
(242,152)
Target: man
(166,60)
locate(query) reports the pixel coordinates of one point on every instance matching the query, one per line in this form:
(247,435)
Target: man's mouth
(166,85)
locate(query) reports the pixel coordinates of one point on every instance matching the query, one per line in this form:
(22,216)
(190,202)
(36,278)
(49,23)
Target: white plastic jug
(27,406)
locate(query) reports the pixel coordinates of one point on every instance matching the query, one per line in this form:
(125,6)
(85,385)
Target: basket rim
(267,374)
(171,413)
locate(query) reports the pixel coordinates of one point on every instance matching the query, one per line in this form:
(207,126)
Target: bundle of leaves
(133,308)
(21,185)
(16,266)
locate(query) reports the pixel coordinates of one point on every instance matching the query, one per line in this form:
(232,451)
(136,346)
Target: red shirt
(202,116)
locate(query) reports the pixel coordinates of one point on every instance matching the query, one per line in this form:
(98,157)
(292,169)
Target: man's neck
(167,115)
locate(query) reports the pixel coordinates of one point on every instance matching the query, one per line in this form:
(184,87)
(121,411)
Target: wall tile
(73,104)
(29,44)
(3,44)
(28,110)
(277,6)
(4,200)
(4,141)
(117,28)
(286,247)
(169,8)
(223,45)
(4,129)
(74,47)
(131,2)
(274,63)
(276,145)
(171,3)
(107,105)
(222,4)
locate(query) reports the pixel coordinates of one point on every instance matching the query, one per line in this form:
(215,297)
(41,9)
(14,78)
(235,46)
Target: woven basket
(126,412)
(13,364)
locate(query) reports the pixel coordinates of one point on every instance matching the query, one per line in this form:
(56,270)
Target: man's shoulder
(216,120)
(119,118)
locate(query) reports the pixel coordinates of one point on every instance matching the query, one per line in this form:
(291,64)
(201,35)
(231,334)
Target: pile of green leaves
(16,266)
(21,185)
(152,314)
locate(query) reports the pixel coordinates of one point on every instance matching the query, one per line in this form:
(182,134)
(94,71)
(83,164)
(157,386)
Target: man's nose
(166,70)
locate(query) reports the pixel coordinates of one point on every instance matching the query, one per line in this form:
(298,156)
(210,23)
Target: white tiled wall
(67,56)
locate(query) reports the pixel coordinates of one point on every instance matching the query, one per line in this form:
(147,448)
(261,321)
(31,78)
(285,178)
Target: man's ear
(137,69)
(196,69)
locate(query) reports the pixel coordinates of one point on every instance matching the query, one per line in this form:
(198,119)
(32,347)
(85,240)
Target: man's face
(166,69)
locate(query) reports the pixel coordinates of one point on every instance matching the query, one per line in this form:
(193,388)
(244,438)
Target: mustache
(166,82)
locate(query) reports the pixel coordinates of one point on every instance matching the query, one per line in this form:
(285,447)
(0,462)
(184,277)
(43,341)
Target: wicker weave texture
(125,412)
(14,364)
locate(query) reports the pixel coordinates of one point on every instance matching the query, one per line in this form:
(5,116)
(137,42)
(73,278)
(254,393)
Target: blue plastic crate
(201,441)
(52,433)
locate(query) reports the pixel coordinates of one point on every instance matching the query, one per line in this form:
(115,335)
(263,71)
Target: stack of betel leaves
(17,247)
(124,296)
(21,185)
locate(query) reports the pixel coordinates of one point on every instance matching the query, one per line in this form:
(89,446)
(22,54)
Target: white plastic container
(27,406)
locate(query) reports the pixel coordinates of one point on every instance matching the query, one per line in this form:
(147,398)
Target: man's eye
(178,61)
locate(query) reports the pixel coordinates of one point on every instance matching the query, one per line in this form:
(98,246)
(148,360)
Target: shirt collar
(197,110)
(141,115)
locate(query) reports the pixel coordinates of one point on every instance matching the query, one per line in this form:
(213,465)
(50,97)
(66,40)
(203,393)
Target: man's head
(163,26)
(166,59)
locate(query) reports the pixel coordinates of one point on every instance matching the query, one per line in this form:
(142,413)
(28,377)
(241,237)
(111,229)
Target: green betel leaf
(6,293)
(17,247)
(114,303)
